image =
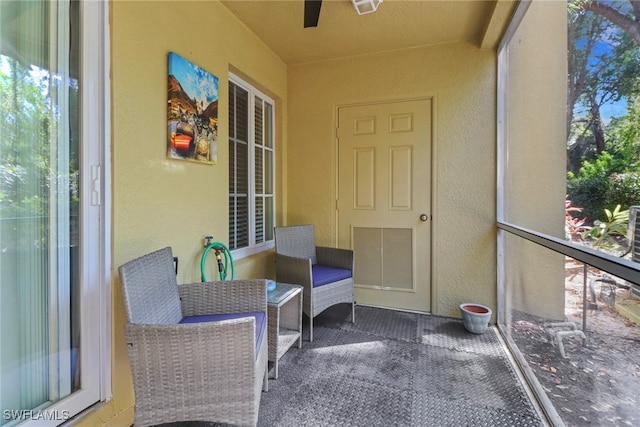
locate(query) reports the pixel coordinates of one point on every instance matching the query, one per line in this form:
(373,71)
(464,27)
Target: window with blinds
(251,168)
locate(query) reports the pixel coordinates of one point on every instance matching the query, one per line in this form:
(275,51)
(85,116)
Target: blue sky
(197,83)
(616,109)
(604,48)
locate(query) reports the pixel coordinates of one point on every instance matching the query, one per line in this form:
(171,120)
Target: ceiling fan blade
(311,12)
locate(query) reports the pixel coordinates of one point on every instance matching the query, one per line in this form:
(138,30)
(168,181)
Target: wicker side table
(284,308)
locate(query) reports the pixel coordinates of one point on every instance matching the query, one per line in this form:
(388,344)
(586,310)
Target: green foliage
(29,174)
(624,189)
(608,233)
(599,192)
(603,153)
(590,193)
(623,133)
(603,165)
(613,176)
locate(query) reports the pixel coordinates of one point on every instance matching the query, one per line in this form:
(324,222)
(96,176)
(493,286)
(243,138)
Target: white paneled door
(384,194)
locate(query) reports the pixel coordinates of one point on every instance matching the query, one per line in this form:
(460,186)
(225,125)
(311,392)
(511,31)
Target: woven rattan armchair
(187,363)
(325,273)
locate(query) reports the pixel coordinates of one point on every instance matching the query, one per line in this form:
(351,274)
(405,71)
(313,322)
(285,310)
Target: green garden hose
(220,250)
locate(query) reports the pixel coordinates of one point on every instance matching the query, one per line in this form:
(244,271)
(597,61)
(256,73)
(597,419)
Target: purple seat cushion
(323,274)
(261,324)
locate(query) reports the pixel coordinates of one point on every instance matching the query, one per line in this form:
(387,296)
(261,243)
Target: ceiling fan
(311,12)
(312,9)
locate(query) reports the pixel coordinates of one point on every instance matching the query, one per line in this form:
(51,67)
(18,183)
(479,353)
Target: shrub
(590,194)
(599,192)
(624,189)
(612,233)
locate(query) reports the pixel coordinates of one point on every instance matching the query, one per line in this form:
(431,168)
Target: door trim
(433,220)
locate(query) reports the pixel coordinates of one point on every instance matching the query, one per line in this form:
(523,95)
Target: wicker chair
(326,274)
(187,363)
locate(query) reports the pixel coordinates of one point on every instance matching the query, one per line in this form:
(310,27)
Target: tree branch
(635,4)
(631,26)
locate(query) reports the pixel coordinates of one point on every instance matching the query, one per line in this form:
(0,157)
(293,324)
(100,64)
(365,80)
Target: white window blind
(251,169)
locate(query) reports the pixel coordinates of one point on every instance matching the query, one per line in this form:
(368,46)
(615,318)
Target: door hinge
(96,185)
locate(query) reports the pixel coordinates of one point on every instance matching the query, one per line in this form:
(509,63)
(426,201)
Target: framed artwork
(192,112)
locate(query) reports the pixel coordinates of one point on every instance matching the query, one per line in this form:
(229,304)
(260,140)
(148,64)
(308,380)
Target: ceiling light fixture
(366,6)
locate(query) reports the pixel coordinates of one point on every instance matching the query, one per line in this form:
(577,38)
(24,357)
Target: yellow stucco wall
(462,81)
(536,172)
(159,202)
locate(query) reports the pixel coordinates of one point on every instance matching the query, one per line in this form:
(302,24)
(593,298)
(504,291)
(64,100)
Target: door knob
(424,217)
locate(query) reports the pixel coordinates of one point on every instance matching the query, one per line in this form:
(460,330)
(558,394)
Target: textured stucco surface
(462,81)
(159,202)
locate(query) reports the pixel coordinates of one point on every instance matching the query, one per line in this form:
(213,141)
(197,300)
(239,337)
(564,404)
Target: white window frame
(95,218)
(254,247)
(96,65)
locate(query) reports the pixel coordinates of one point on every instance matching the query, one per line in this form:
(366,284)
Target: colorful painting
(192,112)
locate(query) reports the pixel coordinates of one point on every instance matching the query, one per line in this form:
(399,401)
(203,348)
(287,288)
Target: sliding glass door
(48,201)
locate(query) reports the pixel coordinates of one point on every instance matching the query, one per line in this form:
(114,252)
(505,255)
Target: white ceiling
(341,32)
